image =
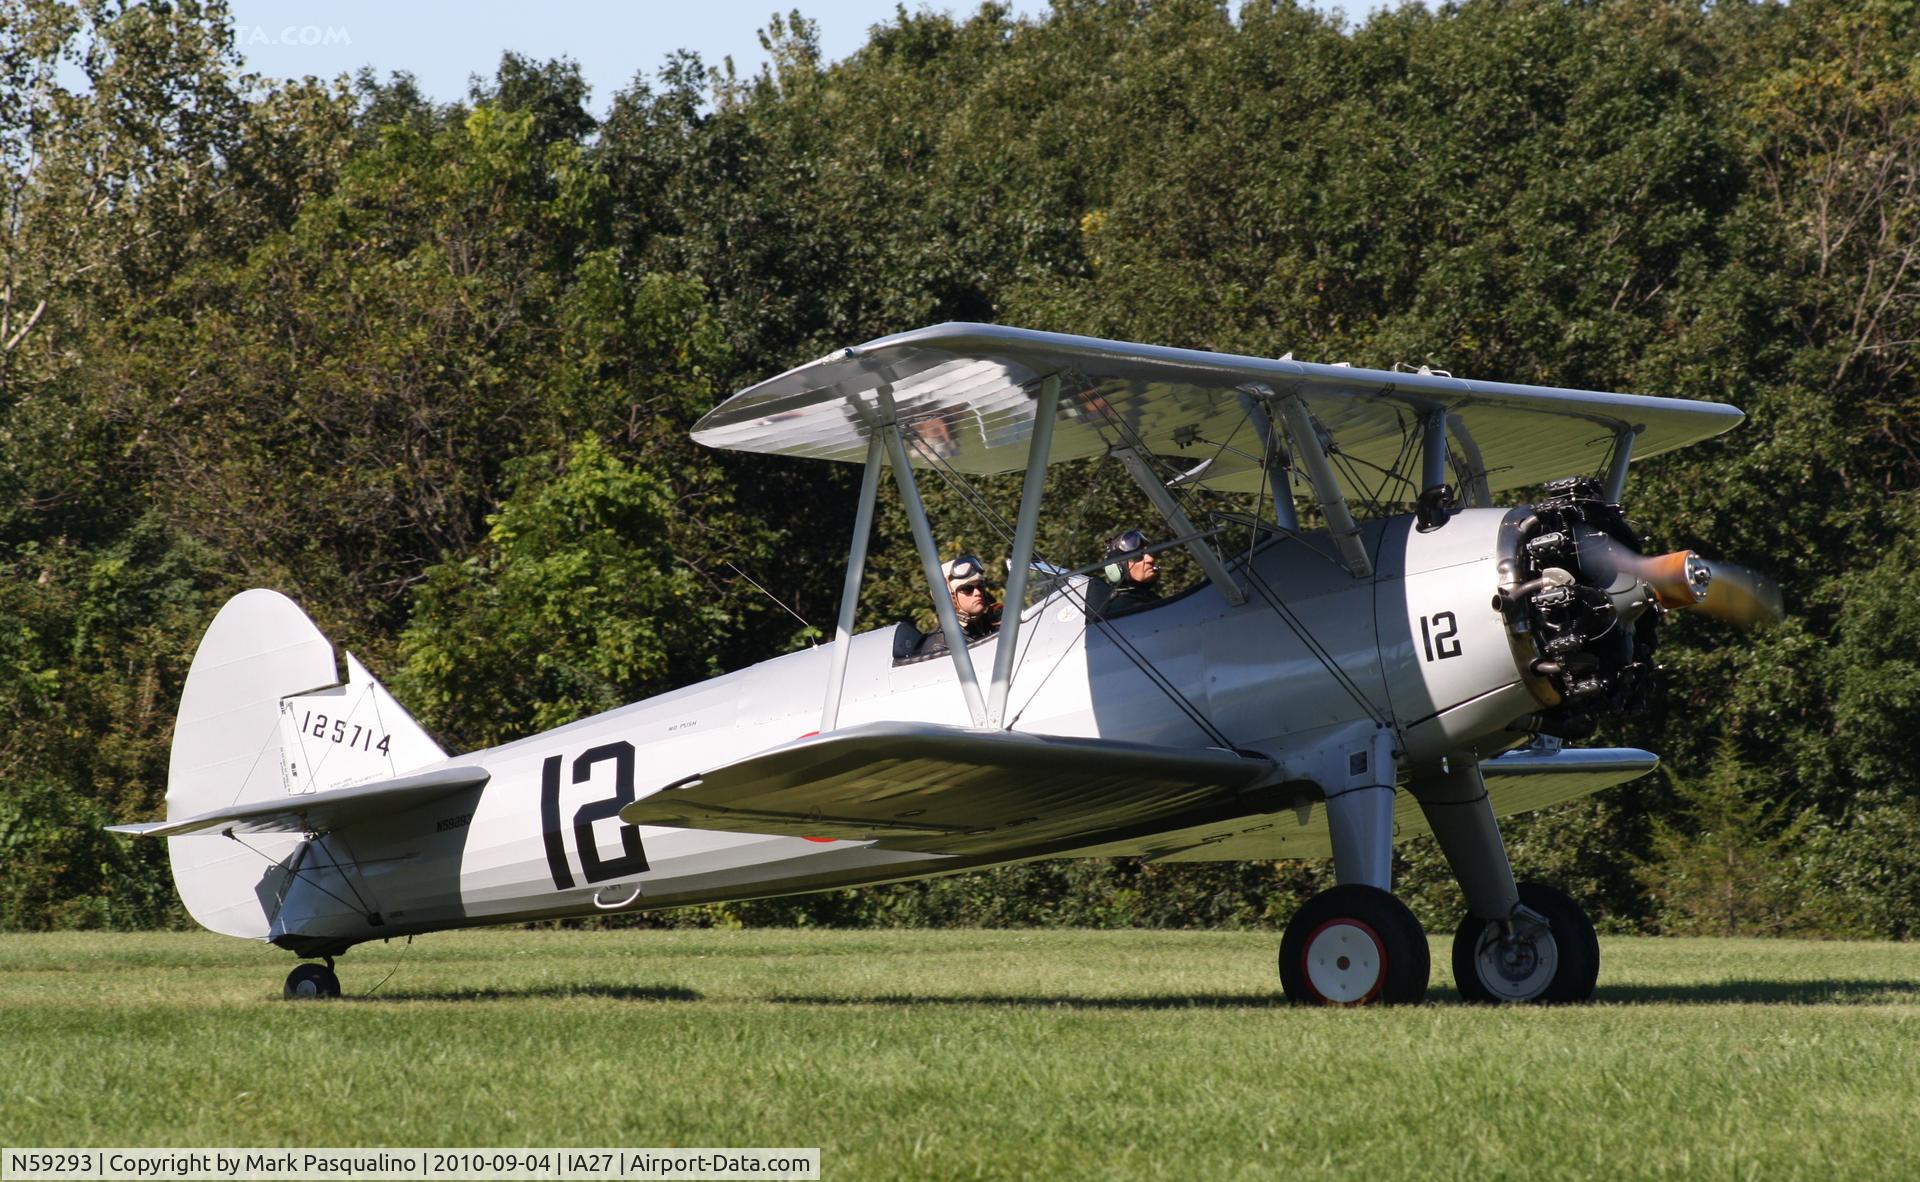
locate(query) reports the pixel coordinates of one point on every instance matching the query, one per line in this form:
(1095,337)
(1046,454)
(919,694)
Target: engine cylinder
(1587,641)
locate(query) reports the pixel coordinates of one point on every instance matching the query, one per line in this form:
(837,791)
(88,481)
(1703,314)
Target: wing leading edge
(1518,782)
(938,789)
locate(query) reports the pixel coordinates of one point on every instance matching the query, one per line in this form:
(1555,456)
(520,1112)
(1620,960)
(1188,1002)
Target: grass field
(971,1054)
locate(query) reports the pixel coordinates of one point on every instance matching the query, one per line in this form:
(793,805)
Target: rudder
(258,721)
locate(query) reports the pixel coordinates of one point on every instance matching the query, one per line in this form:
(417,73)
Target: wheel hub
(1516,966)
(1345,961)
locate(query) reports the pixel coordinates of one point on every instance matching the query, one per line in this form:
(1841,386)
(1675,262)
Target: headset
(1120,549)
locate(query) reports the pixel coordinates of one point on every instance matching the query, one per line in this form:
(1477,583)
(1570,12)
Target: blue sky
(442,43)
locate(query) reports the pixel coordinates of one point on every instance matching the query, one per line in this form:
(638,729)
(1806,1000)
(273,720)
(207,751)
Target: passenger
(979,615)
(972,600)
(1134,574)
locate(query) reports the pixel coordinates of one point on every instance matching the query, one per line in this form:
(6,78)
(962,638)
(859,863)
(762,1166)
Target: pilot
(978,614)
(1133,572)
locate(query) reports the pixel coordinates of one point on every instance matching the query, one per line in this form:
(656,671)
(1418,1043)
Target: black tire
(1338,935)
(311,982)
(1575,952)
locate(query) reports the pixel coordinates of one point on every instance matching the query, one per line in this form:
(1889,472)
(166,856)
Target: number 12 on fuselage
(1438,635)
(632,859)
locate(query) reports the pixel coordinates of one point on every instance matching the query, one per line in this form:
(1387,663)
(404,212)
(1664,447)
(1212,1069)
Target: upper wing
(941,789)
(964,393)
(315,812)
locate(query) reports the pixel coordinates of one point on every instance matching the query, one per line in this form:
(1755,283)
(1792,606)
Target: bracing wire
(301,872)
(405,948)
(751,581)
(762,590)
(365,907)
(998,524)
(1260,495)
(1272,600)
(1377,497)
(1305,635)
(974,499)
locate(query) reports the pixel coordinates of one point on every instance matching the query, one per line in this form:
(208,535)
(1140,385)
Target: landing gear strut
(1353,945)
(1522,942)
(1546,952)
(1356,944)
(310,981)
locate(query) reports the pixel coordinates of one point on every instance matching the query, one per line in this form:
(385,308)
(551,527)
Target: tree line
(429,369)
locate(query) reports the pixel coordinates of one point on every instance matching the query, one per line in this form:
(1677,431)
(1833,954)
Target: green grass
(971,1054)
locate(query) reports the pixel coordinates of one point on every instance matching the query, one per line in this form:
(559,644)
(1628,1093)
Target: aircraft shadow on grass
(1823,992)
(601,992)
(1173,1001)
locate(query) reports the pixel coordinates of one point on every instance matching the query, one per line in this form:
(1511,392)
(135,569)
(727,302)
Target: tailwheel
(310,981)
(1354,945)
(1546,953)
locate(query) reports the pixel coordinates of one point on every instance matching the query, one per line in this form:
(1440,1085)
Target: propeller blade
(1682,579)
(1742,596)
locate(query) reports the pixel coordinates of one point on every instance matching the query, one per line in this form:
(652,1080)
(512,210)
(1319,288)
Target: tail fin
(266,713)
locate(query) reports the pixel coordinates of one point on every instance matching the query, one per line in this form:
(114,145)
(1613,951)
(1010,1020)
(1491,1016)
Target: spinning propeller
(1578,594)
(1682,580)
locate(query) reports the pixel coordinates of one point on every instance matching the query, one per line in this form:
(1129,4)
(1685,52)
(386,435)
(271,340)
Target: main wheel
(310,981)
(1526,962)
(1354,945)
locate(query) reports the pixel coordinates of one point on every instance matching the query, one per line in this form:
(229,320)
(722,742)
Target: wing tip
(137,829)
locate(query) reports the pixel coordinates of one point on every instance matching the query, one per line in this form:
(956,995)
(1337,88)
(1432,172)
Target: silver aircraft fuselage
(1418,646)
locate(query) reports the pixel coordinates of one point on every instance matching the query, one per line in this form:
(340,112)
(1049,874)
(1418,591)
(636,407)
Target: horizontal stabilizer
(942,789)
(318,812)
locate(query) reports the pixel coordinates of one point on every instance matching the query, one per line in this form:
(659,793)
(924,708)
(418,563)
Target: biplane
(1378,650)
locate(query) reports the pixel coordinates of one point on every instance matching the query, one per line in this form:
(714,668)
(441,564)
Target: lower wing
(941,789)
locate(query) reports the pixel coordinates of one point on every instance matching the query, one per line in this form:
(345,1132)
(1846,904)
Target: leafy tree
(90,669)
(575,604)
(334,338)
(1864,869)
(553,93)
(107,190)
(1724,866)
